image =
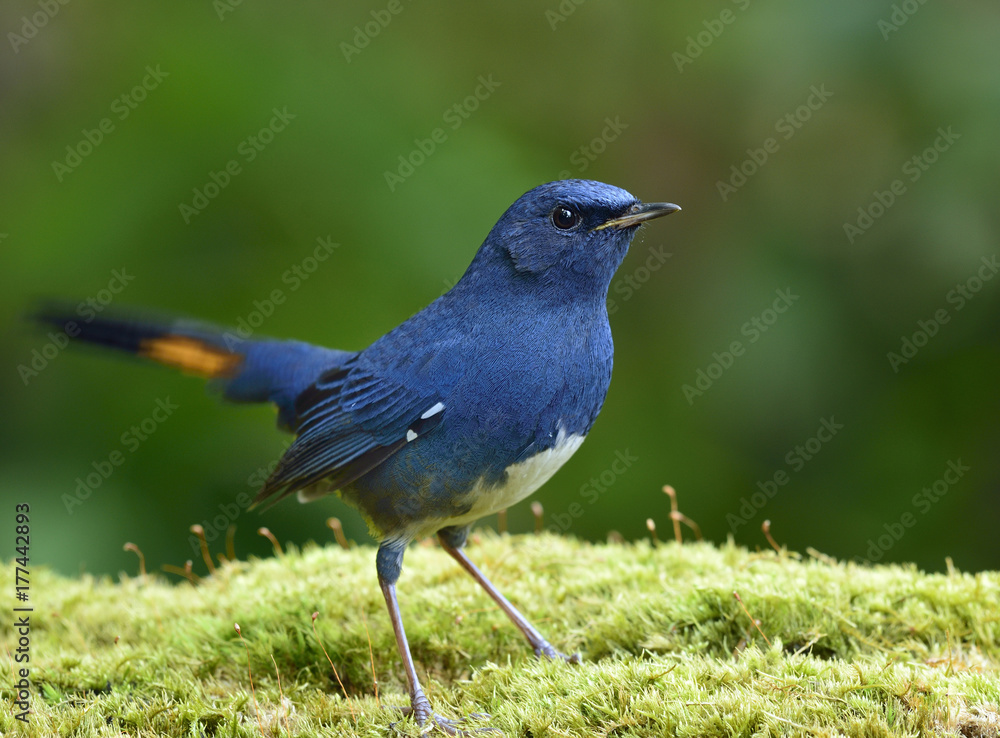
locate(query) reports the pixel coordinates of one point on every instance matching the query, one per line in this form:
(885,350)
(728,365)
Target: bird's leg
(452,540)
(419,704)
(389,562)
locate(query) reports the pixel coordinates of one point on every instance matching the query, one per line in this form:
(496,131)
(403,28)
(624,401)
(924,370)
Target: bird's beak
(640,214)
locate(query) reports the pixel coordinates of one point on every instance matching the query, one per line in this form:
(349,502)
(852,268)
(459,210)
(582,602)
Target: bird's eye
(564,218)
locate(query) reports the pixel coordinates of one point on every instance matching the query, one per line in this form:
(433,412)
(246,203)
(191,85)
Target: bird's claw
(546,649)
(430,721)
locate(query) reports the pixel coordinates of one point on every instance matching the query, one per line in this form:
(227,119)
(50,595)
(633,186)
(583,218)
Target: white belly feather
(522,479)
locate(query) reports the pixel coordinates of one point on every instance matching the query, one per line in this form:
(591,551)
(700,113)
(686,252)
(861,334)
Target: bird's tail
(246,370)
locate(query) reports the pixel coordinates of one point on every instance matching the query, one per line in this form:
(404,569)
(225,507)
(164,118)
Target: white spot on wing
(433,411)
(410,436)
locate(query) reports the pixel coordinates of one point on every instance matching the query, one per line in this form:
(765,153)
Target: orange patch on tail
(190,355)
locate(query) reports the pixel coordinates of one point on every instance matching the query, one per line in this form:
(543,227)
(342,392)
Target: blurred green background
(823,107)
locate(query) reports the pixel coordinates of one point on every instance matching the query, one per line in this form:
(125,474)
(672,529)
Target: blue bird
(461,411)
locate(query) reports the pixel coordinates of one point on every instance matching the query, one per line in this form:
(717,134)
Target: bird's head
(568,236)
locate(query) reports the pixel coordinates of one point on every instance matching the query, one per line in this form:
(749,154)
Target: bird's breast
(488,496)
(523,477)
(517,404)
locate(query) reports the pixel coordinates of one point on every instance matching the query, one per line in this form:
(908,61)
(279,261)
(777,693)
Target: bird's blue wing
(349,421)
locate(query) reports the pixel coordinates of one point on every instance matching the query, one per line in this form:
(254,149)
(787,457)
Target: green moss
(668,650)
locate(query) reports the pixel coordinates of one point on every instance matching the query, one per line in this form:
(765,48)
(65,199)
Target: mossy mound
(667,649)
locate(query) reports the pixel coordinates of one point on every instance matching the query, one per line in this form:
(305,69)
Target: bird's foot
(548,651)
(429,720)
